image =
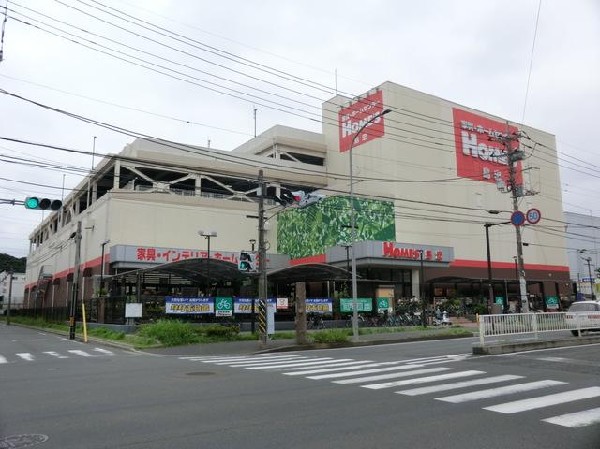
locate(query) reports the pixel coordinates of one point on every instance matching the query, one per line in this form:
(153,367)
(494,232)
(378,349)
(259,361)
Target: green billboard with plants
(313,229)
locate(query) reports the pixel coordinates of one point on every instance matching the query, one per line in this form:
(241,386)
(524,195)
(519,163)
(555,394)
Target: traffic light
(247,262)
(34,202)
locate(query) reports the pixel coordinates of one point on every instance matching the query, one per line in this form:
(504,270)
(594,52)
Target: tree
(8,262)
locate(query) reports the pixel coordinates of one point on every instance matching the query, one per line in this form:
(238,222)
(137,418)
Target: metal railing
(535,323)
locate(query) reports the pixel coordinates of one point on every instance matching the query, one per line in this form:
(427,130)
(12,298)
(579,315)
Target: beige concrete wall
(414,165)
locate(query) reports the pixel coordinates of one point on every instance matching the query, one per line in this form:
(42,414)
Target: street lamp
(489,259)
(353,225)
(102,245)
(589,264)
(207,235)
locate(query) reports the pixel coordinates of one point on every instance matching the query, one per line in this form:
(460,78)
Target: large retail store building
(425,177)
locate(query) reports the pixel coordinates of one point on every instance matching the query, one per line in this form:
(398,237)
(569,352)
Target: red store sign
(480,152)
(395,252)
(352,118)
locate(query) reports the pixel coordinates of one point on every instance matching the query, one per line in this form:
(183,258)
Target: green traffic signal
(33,202)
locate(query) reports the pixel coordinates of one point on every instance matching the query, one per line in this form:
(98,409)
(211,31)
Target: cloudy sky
(194,71)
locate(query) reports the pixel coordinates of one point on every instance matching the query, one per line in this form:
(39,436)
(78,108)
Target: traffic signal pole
(75,290)
(262,262)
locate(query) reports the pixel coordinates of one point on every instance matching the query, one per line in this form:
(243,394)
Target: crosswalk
(433,377)
(33,357)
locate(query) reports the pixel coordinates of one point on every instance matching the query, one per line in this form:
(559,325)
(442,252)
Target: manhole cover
(200,373)
(18,441)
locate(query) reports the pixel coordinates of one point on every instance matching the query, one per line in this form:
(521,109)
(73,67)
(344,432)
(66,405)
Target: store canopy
(198,271)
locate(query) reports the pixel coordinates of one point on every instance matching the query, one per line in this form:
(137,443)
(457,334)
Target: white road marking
(469,383)
(545,401)
(26,356)
(365,371)
(56,354)
(283,362)
(342,367)
(79,352)
(579,419)
(298,364)
(246,358)
(500,391)
(3,360)
(388,376)
(423,380)
(103,351)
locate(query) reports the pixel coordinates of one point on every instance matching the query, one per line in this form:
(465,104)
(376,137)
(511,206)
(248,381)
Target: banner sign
(480,150)
(353,117)
(319,305)
(362,305)
(242,305)
(189,305)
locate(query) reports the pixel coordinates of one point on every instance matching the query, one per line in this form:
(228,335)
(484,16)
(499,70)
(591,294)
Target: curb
(512,347)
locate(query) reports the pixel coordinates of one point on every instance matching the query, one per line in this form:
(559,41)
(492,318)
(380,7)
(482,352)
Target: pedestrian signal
(34,202)
(247,262)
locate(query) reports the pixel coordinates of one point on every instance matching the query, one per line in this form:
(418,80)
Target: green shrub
(218,332)
(330,336)
(170,332)
(106,333)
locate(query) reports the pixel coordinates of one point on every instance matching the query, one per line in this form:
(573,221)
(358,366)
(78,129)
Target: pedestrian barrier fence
(536,323)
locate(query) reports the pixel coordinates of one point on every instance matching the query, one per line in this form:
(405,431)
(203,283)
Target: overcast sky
(193,71)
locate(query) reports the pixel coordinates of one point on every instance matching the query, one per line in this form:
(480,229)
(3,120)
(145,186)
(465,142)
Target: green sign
(499,300)
(223,306)
(383,304)
(362,305)
(552,302)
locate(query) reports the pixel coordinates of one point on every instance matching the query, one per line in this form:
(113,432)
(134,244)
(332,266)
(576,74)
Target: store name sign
(352,118)
(399,252)
(480,151)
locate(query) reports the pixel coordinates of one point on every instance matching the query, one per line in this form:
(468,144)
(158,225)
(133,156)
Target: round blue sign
(517,218)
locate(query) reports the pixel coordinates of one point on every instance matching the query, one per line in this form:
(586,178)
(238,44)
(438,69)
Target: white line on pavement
(545,401)
(579,419)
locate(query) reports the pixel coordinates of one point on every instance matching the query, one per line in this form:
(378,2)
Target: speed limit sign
(533,216)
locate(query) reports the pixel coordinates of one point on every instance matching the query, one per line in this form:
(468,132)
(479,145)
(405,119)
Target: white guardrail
(536,323)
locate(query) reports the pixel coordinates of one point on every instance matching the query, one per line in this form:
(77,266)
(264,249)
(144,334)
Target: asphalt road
(75,395)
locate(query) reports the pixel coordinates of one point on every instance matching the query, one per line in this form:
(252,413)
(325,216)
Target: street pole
(207,235)
(589,264)
(422,290)
(75,290)
(262,262)
(102,245)
(513,156)
(489,268)
(10,281)
(353,225)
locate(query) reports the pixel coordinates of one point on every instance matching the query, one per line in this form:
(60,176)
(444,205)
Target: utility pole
(587,259)
(10,280)
(262,262)
(513,156)
(75,290)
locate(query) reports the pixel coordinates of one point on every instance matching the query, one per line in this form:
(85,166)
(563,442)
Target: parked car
(583,315)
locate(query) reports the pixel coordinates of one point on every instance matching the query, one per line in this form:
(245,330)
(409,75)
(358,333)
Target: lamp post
(353,225)
(489,267)
(207,235)
(589,264)
(422,290)
(102,245)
